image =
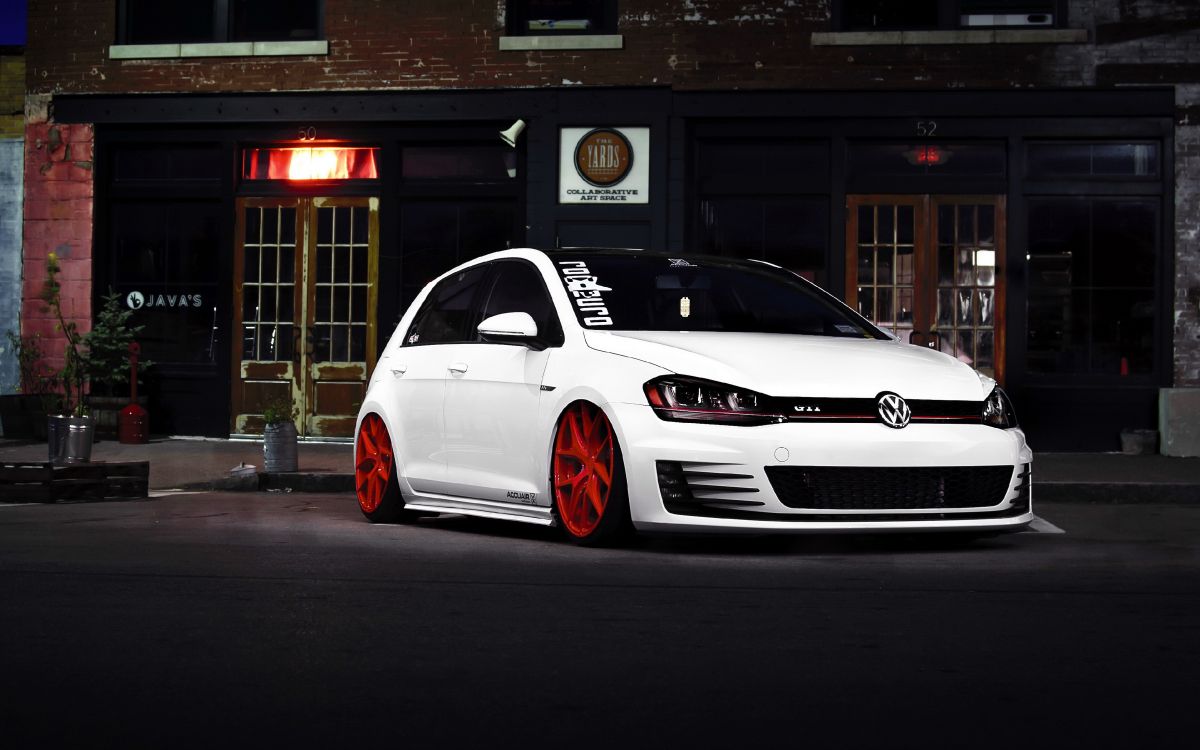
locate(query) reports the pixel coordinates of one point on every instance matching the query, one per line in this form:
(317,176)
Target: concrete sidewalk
(198,463)
(195,463)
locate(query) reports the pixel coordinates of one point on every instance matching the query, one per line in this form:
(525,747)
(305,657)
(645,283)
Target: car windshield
(635,292)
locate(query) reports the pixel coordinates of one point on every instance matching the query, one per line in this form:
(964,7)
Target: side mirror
(511,328)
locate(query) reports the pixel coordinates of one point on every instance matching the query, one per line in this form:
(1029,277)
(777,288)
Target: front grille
(889,488)
(863,410)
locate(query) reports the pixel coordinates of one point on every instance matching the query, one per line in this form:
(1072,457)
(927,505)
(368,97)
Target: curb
(277,482)
(1116,493)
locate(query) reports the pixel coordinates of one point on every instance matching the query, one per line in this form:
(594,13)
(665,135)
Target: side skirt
(479,508)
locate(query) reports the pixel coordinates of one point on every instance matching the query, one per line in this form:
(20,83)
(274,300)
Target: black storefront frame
(1014,117)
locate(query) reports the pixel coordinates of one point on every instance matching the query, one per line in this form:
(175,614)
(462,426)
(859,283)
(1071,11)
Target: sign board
(604,165)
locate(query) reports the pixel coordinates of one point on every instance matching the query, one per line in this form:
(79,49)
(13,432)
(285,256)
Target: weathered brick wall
(382,44)
(58,218)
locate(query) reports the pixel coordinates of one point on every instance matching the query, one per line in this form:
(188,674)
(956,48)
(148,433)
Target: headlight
(998,410)
(686,399)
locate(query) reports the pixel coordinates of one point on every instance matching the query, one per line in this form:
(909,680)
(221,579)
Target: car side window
(519,287)
(445,316)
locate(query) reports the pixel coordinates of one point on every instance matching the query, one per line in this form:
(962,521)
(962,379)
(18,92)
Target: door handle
(459,367)
(399,370)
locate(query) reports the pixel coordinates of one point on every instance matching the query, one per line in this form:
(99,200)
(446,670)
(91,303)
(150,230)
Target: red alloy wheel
(372,462)
(583,467)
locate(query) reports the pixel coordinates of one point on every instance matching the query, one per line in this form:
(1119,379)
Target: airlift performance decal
(587,294)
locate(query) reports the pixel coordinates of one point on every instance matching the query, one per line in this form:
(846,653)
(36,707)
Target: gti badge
(893,410)
(801,408)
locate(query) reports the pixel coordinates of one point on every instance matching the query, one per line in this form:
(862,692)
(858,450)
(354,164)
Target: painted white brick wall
(11,181)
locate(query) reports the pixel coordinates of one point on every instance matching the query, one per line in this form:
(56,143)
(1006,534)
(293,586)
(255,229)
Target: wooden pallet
(28,482)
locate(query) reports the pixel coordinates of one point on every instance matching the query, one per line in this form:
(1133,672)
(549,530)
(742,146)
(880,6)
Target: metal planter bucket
(279,448)
(69,439)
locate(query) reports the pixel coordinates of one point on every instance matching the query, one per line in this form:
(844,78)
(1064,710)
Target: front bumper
(730,489)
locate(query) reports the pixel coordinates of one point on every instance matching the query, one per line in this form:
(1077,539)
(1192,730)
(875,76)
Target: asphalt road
(286,620)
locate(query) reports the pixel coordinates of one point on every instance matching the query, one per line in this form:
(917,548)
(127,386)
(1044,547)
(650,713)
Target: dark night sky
(12,22)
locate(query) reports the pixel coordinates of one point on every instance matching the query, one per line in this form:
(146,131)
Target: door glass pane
(886,277)
(866,302)
(341,277)
(966,279)
(945,308)
(268,287)
(905,266)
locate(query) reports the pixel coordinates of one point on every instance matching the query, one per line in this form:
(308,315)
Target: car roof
(720,260)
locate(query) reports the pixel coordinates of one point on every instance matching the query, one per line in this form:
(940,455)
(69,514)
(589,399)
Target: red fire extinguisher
(133,426)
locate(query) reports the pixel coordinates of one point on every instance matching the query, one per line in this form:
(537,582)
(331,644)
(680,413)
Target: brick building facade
(787,130)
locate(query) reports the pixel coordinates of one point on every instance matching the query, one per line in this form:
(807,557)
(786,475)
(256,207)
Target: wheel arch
(393,424)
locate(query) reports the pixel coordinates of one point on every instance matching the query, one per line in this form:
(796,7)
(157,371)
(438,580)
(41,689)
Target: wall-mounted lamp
(511,135)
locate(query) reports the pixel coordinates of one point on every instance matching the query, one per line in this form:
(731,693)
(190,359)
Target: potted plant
(108,363)
(279,435)
(70,433)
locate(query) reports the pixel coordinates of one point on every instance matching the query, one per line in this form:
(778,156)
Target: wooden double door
(305,296)
(931,269)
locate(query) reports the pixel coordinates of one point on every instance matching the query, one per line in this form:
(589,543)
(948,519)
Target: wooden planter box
(28,482)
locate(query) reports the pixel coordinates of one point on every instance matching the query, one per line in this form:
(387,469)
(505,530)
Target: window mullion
(949,14)
(222,21)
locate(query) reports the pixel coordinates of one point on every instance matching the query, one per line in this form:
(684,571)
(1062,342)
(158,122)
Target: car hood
(797,365)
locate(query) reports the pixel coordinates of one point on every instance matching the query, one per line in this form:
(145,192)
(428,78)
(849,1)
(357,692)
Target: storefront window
(458,163)
(1049,160)
(437,235)
(774,165)
(789,232)
(165,270)
(156,22)
(764,198)
(562,17)
(1092,285)
(889,15)
(133,163)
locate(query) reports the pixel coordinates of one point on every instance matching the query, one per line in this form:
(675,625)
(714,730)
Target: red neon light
(300,164)
(929,155)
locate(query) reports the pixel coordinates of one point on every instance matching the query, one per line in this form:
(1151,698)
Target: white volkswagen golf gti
(604,391)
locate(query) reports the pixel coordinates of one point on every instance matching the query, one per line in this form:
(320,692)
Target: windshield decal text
(586,292)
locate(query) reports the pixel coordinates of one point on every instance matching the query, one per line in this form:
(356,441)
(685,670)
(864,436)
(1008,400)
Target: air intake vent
(695,484)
